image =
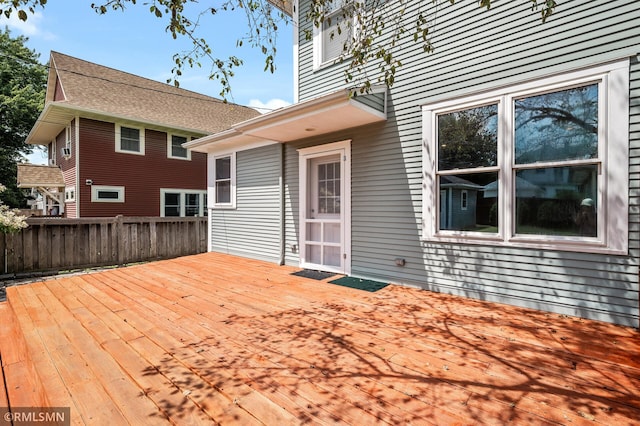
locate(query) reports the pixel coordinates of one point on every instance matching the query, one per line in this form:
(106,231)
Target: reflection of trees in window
(560,125)
(468,138)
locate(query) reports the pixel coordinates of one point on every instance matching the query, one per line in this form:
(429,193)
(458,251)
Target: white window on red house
(182,202)
(175,148)
(129,140)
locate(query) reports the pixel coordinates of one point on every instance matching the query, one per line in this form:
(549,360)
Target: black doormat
(360,284)
(314,275)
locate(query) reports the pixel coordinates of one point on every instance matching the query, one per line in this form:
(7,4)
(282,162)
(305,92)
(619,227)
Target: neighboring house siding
(142,176)
(508,45)
(70,181)
(252,229)
(68,165)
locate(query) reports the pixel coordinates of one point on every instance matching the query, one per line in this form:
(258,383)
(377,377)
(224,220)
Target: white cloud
(268,106)
(31,27)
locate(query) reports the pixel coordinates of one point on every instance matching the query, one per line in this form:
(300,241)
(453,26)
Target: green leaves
(22,89)
(373,31)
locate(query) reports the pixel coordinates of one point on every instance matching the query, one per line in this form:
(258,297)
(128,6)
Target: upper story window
(543,164)
(223,182)
(129,140)
(175,149)
(65,151)
(334,32)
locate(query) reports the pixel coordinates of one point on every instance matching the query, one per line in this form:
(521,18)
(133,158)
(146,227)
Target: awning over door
(336,111)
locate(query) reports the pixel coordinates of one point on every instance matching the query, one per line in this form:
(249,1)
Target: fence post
(119,223)
(153,239)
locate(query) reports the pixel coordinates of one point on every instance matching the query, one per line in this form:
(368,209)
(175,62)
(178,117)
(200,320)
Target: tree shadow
(411,356)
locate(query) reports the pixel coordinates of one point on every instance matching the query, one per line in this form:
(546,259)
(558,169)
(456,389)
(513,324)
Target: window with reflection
(467,160)
(558,128)
(542,164)
(223,180)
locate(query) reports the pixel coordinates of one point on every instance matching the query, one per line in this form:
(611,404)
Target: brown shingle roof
(97,88)
(33,176)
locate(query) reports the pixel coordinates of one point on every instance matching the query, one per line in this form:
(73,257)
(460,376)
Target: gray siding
(477,50)
(373,100)
(252,229)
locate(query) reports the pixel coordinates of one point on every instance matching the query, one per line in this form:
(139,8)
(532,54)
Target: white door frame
(343,149)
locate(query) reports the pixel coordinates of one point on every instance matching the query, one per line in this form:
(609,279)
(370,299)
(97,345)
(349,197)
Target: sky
(135,41)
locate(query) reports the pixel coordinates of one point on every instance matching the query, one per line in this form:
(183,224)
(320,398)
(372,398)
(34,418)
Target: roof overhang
(57,115)
(39,176)
(330,113)
(284,5)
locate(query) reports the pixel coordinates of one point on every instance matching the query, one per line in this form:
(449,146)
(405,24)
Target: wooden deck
(215,338)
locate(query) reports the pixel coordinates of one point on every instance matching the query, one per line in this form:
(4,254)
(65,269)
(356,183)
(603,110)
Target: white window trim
(54,146)
(318,63)
(70,194)
(67,136)
(211,184)
(183,205)
(170,150)
(95,189)
(118,141)
(613,143)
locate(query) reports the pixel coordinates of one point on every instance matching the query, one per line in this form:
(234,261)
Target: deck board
(216,338)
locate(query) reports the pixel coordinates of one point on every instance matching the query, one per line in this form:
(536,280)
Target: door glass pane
(557,126)
(332,256)
(557,201)
(331,233)
(313,232)
(314,254)
(192,205)
(328,181)
(468,139)
(171,204)
(479,212)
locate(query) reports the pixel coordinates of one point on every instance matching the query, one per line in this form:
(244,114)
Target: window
(65,151)
(223,184)
(464,199)
(329,188)
(70,194)
(182,202)
(175,149)
(334,33)
(129,140)
(107,194)
(542,164)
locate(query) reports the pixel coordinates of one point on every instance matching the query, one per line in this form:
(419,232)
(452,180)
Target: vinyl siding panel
(252,229)
(477,50)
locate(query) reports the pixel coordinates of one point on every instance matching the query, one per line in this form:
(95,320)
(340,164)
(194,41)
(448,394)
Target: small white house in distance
(478,167)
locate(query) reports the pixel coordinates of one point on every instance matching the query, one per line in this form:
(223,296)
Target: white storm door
(325,242)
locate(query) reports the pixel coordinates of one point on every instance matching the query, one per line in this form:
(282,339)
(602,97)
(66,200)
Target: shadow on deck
(216,338)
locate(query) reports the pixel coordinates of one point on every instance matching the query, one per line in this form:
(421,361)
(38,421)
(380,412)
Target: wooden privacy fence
(64,244)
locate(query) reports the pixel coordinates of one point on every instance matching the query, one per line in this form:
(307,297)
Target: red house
(117,139)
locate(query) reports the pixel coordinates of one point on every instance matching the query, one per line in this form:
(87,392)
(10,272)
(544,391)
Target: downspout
(282,204)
